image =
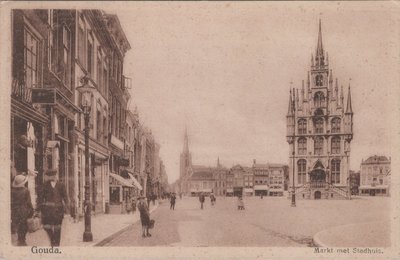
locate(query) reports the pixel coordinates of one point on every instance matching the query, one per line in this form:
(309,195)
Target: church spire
(319,54)
(349,109)
(186,142)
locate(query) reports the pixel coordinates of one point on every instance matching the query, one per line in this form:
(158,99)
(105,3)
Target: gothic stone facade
(319,132)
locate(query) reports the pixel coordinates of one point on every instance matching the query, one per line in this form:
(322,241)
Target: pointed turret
(297,97)
(290,109)
(327,58)
(312,60)
(349,109)
(218,165)
(302,91)
(336,95)
(319,54)
(341,96)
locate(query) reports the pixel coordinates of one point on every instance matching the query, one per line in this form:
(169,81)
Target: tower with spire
(319,131)
(186,157)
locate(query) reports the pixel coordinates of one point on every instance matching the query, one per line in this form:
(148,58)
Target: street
(265,222)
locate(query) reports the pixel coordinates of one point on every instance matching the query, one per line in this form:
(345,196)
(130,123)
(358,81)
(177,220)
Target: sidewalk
(370,234)
(104,226)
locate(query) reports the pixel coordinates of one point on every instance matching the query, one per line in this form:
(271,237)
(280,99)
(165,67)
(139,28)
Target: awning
(121,180)
(135,182)
(206,190)
(248,190)
(373,187)
(261,187)
(229,190)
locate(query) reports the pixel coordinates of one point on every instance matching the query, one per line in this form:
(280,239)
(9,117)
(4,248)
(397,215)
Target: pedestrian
(201,199)
(172,202)
(240,203)
(21,208)
(54,201)
(144,216)
(153,199)
(262,195)
(212,199)
(133,203)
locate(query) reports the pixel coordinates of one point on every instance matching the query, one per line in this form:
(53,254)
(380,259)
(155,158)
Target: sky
(223,70)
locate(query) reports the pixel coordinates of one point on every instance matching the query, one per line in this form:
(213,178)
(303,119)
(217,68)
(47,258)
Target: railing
(318,184)
(302,188)
(339,191)
(20,91)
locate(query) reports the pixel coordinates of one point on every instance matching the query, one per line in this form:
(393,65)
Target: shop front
(261,190)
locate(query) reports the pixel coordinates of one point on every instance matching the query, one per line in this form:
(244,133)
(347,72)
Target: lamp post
(293,152)
(86,91)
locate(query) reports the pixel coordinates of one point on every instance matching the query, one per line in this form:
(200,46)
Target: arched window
(319,99)
(335,145)
(319,125)
(302,146)
(318,145)
(336,125)
(302,126)
(319,80)
(335,166)
(301,171)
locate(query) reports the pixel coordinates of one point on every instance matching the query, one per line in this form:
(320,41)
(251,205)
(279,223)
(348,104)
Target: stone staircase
(339,191)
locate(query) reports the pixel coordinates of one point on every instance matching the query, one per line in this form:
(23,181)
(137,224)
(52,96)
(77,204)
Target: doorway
(317,195)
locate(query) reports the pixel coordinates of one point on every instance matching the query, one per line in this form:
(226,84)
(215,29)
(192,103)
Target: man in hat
(144,216)
(54,201)
(21,208)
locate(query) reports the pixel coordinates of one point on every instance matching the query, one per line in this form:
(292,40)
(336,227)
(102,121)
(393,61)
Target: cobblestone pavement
(265,222)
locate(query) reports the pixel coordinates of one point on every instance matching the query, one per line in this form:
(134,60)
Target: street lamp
(293,152)
(86,92)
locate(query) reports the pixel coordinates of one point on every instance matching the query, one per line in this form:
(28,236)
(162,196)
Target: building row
(53,53)
(259,179)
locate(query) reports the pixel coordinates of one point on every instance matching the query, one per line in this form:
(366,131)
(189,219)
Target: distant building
(269,179)
(375,176)
(276,179)
(261,179)
(354,182)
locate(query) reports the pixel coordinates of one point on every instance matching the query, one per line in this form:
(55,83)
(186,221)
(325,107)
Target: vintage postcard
(200,130)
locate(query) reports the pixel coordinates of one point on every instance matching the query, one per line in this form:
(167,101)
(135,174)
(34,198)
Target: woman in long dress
(144,216)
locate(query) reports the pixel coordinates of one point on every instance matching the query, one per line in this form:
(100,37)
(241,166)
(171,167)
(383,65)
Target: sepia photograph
(215,128)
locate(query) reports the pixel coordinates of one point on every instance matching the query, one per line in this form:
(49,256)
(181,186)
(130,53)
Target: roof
(202,175)
(376,159)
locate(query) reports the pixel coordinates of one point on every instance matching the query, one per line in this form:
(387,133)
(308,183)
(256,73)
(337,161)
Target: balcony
(318,184)
(20,91)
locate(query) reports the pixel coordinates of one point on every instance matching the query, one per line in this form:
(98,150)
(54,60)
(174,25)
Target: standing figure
(21,208)
(144,216)
(54,202)
(133,202)
(212,199)
(201,199)
(172,201)
(240,203)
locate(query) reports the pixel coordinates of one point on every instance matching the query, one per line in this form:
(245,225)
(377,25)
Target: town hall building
(319,133)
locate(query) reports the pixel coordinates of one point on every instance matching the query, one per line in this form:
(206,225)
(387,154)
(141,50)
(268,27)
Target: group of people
(202,199)
(53,203)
